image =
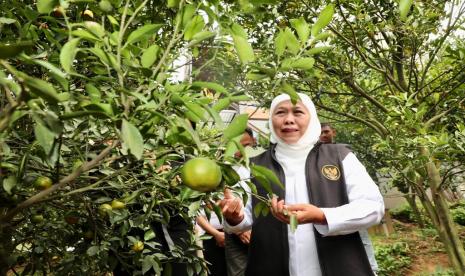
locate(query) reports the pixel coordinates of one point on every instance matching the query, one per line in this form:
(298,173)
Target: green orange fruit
(104,209)
(116,204)
(201,174)
(43,183)
(138,246)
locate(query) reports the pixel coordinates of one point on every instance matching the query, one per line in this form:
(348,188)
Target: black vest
(338,255)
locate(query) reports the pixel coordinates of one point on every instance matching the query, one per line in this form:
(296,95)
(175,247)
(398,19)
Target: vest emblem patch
(331,172)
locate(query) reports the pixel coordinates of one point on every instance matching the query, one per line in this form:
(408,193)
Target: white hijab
(311,135)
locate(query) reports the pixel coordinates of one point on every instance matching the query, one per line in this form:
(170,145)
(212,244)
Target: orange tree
(98,113)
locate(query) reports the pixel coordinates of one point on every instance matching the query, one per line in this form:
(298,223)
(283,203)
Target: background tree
(393,67)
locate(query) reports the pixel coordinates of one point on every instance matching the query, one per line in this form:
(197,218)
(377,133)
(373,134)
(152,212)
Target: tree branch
(62,183)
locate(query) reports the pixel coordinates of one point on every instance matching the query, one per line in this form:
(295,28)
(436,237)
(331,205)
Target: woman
(326,187)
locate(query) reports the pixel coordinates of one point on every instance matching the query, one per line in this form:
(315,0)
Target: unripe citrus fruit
(104,209)
(138,246)
(37,218)
(201,174)
(43,182)
(105,6)
(116,204)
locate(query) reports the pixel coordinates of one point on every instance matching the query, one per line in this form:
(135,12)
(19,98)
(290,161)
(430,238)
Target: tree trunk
(445,226)
(416,212)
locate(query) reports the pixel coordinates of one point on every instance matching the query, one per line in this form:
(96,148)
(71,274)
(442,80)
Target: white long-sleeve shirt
(365,208)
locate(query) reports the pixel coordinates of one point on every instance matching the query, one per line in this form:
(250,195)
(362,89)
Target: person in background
(327,192)
(213,248)
(226,254)
(328,136)
(237,245)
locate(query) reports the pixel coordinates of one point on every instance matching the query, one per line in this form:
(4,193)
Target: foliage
(458,214)
(392,258)
(93,96)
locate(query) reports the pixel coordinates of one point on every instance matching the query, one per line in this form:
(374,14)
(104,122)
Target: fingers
(228,194)
(279,209)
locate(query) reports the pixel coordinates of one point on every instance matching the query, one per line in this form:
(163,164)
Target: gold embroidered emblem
(331,172)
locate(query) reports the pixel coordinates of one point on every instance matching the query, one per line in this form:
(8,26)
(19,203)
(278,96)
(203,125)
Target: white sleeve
(365,207)
(247,222)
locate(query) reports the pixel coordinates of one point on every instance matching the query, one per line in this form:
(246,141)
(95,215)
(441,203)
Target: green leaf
(93,92)
(143,31)
(187,14)
(236,127)
(42,89)
(323,20)
(293,222)
(196,109)
(303,63)
(95,28)
(256,76)
(68,53)
(317,50)
(172,3)
(288,89)
(132,139)
(201,36)
(9,183)
(321,36)
(264,182)
(93,250)
(46,6)
(230,176)
(404,8)
(149,262)
(257,210)
(221,104)
(44,136)
(84,34)
(149,56)
(291,41)
(302,28)
(4,20)
(240,98)
(244,49)
(237,30)
(269,174)
(195,25)
(280,43)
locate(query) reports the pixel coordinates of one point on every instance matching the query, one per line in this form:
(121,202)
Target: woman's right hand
(232,208)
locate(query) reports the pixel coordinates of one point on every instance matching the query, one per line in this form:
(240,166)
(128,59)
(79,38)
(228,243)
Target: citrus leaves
(132,139)
(46,6)
(404,8)
(243,48)
(323,20)
(236,127)
(68,52)
(143,31)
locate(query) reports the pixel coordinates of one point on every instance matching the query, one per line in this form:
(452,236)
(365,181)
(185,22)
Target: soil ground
(426,252)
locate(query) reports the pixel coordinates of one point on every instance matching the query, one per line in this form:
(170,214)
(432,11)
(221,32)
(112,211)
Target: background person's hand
(245,237)
(219,237)
(232,208)
(307,213)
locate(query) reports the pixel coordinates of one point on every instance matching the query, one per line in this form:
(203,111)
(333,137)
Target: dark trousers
(215,256)
(236,255)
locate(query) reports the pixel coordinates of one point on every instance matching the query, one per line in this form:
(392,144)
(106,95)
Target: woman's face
(290,121)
